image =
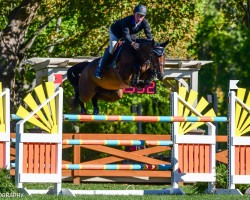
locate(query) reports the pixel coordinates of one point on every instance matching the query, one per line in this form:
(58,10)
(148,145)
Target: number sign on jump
(149,89)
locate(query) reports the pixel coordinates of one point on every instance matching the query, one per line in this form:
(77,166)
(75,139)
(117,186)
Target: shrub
(6,182)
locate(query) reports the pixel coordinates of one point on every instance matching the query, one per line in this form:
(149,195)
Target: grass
(116,186)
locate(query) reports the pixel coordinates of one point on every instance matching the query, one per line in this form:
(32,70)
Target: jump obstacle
(193,158)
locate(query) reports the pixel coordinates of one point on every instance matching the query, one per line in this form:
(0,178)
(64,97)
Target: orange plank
(36,158)
(53,158)
(41,159)
(124,154)
(47,158)
(2,155)
(242,160)
(180,161)
(201,158)
(196,158)
(191,158)
(185,158)
(237,160)
(247,160)
(30,157)
(25,157)
(207,158)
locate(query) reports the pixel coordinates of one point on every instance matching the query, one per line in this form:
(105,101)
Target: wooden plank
(201,158)
(247,160)
(36,158)
(41,159)
(25,157)
(237,160)
(124,154)
(47,158)
(185,158)
(53,158)
(2,156)
(30,157)
(207,158)
(242,160)
(180,161)
(191,158)
(112,159)
(221,138)
(76,160)
(196,158)
(89,136)
(222,156)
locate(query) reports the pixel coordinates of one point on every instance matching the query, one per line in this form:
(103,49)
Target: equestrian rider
(125,28)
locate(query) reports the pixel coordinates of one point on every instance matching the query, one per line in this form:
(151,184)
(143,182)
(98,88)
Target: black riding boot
(102,63)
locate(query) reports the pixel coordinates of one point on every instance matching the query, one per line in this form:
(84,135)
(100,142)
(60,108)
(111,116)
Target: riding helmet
(140,9)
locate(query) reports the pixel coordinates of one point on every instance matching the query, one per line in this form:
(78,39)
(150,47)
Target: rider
(125,28)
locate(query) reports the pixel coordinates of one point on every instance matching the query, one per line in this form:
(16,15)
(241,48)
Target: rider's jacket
(126,28)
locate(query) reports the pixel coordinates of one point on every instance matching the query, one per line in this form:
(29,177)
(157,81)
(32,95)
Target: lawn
(115,186)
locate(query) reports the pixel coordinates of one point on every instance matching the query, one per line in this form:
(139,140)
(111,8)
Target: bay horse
(148,61)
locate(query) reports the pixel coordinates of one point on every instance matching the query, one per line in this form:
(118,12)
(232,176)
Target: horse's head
(157,58)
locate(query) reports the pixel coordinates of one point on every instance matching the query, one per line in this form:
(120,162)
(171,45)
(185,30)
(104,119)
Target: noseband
(159,51)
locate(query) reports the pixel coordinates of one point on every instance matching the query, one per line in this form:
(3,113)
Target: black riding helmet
(140,9)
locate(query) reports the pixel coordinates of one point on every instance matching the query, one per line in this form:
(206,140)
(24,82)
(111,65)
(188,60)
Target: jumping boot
(136,76)
(103,63)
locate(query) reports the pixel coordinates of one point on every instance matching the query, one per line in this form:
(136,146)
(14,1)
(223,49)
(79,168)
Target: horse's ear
(164,44)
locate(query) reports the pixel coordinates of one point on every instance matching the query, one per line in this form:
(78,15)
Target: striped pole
(85,118)
(118,142)
(116,167)
(99,118)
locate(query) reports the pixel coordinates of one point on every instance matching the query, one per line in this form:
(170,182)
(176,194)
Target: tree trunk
(11,39)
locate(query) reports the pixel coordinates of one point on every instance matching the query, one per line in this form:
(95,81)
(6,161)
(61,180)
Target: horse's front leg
(96,110)
(150,77)
(136,75)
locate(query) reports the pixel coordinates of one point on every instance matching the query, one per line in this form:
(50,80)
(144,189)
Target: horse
(147,63)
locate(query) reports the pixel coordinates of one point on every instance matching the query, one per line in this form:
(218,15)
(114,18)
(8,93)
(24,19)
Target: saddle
(117,50)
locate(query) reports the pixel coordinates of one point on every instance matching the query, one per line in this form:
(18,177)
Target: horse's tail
(73,75)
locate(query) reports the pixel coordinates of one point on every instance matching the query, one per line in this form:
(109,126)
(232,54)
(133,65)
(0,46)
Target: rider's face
(138,18)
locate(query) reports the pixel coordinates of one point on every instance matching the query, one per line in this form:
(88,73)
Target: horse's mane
(142,40)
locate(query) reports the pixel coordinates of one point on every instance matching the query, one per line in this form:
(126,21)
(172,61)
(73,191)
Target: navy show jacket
(124,28)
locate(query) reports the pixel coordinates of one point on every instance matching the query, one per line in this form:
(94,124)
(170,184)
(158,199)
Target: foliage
(221,176)
(6,182)
(220,39)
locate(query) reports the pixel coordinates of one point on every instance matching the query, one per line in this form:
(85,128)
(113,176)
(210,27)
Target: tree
(12,38)
(32,28)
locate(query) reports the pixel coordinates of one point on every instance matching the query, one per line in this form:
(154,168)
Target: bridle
(159,51)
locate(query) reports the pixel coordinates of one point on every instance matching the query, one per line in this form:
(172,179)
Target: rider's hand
(135,45)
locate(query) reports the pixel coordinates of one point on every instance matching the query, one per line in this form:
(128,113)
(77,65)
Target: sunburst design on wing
(242,116)
(185,111)
(47,115)
(2,120)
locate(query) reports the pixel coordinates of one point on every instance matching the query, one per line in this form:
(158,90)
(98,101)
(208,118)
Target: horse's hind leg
(96,110)
(83,109)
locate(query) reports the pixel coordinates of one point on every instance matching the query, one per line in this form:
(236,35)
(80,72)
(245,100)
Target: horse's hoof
(96,111)
(83,112)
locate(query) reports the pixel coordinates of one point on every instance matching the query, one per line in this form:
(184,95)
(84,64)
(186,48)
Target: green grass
(116,186)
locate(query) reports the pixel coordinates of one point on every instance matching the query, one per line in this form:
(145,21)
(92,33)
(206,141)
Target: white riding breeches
(113,40)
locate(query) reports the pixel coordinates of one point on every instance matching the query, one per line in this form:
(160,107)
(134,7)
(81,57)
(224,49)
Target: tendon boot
(135,77)
(102,63)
